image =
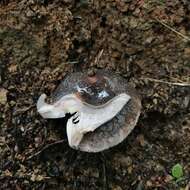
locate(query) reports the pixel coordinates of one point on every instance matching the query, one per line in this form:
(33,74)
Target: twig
(105,184)
(24,177)
(44,148)
(23,110)
(173,30)
(97,58)
(165,82)
(4,143)
(180,81)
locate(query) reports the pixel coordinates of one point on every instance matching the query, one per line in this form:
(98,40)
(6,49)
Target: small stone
(115,54)
(12,68)
(187,52)
(155,101)
(91,72)
(22,128)
(1,51)
(12,103)
(133,23)
(149,184)
(148,40)
(130,169)
(186,101)
(8,173)
(141,140)
(168,178)
(38,141)
(30,13)
(2,139)
(35,177)
(159,168)
(3,96)
(16,149)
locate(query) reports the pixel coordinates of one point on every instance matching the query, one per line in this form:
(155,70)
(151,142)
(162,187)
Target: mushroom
(104,109)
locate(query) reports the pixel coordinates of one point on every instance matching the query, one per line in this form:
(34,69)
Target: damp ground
(147,42)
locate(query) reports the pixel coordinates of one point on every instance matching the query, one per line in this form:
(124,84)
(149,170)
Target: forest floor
(145,41)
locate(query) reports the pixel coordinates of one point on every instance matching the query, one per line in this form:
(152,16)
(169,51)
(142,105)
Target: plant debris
(3,96)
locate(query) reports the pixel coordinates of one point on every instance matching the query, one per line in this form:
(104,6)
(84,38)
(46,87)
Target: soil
(144,41)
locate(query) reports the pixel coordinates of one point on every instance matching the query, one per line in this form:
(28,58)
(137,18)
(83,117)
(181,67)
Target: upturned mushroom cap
(107,109)
(96,90)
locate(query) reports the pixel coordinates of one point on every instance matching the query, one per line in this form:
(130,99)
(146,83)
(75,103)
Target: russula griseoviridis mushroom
(104,108)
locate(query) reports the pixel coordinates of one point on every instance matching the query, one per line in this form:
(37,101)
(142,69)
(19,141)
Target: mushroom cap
(96,90)
(118,128)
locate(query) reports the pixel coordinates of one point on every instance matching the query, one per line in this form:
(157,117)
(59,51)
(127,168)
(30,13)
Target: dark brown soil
(42,40)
